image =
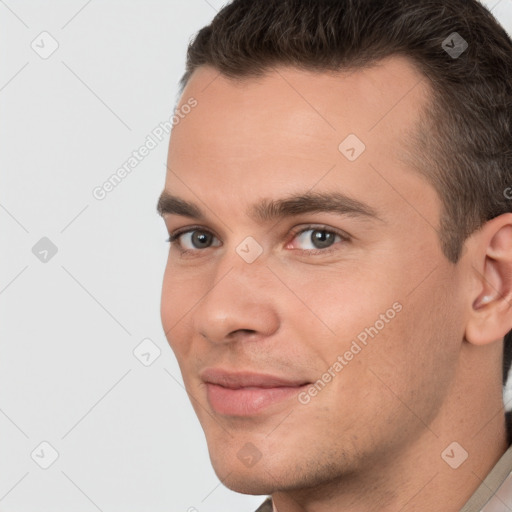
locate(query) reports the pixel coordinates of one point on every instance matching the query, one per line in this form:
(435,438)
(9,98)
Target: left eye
(315,238)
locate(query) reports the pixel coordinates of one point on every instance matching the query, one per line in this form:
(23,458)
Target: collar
(500,476)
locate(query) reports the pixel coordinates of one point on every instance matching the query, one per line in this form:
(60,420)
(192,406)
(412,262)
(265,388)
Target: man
(339,280)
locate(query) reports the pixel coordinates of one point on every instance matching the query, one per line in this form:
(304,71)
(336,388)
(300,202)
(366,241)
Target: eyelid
(321,227)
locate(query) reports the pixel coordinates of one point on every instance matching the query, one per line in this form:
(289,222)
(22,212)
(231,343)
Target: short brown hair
(463,145)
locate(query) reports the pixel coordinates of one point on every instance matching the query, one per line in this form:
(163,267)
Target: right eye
(194,239)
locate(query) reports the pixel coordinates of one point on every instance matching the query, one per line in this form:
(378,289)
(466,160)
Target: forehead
(286,130)
(358,98)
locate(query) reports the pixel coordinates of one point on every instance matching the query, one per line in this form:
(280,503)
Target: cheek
(415,356)
(179,296)
(369,316)
(168,302)
(345,301)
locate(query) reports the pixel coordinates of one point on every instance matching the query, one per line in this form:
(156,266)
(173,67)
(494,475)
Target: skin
(372,438)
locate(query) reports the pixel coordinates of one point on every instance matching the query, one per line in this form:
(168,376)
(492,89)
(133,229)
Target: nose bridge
(240,298)
(243,266)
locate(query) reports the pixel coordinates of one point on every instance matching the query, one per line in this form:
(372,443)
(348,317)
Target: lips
(236,380)
(247,393)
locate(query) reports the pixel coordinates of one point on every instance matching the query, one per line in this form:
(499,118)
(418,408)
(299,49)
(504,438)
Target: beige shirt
(493,495)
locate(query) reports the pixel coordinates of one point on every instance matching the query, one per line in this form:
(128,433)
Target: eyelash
(293,234)
(319,227)
(176,234)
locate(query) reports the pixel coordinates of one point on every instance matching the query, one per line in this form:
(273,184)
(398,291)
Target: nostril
(242,331)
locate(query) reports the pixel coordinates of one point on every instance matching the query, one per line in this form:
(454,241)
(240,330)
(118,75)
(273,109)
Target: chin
(246,478)
(266,476)
(247,484)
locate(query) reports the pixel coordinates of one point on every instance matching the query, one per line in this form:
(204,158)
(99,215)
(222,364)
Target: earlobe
(491,311)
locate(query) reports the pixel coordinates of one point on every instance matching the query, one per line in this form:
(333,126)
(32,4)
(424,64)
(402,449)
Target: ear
(491,308)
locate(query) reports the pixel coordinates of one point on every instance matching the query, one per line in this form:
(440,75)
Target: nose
(240,304)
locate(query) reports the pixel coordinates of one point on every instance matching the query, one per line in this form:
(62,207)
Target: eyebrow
(267,210)
(172,205)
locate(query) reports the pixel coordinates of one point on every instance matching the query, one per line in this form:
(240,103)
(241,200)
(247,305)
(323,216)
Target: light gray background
(126,436)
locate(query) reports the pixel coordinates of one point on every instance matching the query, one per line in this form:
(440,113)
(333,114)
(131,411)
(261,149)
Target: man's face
(314,337)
